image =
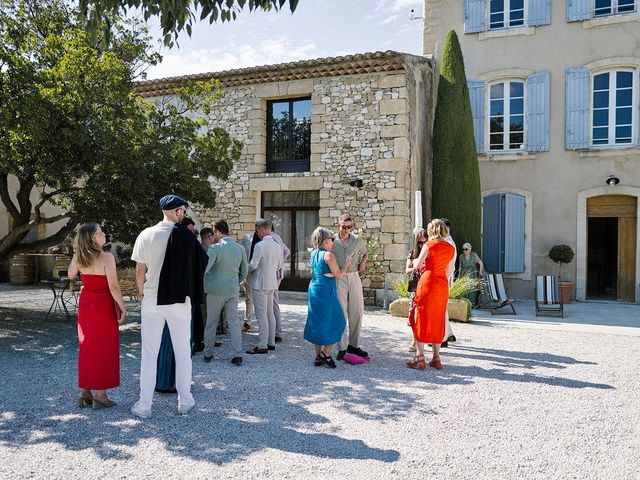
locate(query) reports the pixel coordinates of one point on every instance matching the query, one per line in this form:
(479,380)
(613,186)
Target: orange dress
(427,317)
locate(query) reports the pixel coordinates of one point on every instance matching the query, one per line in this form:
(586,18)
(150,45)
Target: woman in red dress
(100,312)
(427,316)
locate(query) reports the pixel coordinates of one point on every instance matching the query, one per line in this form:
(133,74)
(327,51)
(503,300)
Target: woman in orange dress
(427,316)
(101,310)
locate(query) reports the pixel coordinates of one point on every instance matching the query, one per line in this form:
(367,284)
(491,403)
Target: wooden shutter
(539,12)
(492,233)
(476,95)
(577,109)
(538,112)
(578,10)
(474,13)
(514,235)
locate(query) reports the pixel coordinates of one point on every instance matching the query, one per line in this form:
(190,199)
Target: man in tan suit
(266,261)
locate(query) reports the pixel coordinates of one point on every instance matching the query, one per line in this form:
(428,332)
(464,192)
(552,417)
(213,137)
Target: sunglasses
(465,249)
(346,227)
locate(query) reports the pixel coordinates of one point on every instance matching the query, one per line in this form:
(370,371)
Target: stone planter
(459,309)
(400,308)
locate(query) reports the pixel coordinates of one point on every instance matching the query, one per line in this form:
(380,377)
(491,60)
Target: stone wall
(359,131)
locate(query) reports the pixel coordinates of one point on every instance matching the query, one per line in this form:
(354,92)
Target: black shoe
(207,358)
(198,347)
(217,344)
(444,344)
(271,347)
(318,361)
(327,360)
(236,361)
(278,339)
(258,351)
(357,351)
(341,354)
(451,338)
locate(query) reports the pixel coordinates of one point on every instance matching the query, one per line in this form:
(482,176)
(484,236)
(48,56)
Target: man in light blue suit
(227,267)
(265,263)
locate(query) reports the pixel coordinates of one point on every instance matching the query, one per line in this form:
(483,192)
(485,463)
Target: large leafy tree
(456,176)
(175,15)
(74,133)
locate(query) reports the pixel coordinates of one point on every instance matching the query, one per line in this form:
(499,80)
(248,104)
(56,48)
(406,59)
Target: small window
(506,116)
(612,108)
(612,7)
(289,135)
(506,14)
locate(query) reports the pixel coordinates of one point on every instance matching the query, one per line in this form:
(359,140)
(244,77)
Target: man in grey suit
(227,267)
(266,261)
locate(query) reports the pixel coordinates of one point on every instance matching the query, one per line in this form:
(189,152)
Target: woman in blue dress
(325,318)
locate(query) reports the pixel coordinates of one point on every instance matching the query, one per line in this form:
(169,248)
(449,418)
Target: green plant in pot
(561,254)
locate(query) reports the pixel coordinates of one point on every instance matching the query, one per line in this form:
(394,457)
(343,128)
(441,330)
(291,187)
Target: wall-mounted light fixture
(612,180)
(356,182)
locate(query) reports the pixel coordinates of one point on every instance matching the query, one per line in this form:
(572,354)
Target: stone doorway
(611,247)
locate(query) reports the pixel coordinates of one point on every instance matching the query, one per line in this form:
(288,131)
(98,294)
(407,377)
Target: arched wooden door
(611,247)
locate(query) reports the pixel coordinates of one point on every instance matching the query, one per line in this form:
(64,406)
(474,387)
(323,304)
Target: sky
(318,28)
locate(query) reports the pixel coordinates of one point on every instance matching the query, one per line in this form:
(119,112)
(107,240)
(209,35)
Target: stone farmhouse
(324,137)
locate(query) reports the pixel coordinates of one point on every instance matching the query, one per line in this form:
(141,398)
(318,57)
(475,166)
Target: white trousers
(263,304)
(352,302)
(178,318)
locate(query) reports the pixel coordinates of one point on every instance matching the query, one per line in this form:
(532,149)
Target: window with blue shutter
(613,7)
(576,109)
(506,115)
(578,10)
(539,12)
(503,233)
(476,95)
(612,108)
(474,11)
(538,106)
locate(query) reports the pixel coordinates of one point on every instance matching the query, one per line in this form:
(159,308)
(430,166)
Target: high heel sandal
(84,402)
(418,362)
(327,360)
(98,404)
(435,363)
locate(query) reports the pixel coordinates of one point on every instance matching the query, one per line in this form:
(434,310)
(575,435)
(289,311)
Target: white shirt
(150,247)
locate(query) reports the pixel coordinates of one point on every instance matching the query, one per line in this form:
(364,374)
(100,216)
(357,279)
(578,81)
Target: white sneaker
(185,407)
(140,412)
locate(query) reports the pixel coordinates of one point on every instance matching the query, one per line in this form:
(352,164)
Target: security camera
(412,15)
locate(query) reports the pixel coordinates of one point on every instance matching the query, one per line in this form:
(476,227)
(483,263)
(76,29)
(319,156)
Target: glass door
(294,215)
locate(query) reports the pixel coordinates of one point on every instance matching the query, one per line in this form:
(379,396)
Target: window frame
(290,165)
(612,106)
(506,16)
(506,114)
(615,6)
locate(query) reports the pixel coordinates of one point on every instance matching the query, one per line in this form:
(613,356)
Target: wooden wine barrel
(22,271)
(60,263)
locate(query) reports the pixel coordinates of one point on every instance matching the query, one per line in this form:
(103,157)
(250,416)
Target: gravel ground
(510,403)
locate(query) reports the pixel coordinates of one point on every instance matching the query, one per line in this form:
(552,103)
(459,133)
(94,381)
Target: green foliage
(175,16)
(456,177)
(463,286)
(402,287)
(74,132)
(561,254)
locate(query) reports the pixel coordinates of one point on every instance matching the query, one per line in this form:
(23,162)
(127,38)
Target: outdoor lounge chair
(496,295)
(548,296)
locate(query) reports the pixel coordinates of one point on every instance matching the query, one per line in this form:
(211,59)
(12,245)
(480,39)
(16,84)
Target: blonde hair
(86,249)
(437,229)
(319,235)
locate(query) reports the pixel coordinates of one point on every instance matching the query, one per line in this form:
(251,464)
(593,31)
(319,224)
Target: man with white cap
(170,265)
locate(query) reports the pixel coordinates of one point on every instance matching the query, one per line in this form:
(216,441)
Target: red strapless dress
(427,317)
(99,356)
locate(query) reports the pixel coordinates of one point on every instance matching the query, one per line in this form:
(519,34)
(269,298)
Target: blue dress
(325,318)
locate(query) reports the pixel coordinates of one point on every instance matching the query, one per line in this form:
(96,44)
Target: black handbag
(414,278)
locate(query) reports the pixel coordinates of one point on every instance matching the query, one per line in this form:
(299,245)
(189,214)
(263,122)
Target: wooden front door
(619,212)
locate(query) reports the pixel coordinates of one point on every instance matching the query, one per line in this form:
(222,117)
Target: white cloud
(399,6)
(266,52)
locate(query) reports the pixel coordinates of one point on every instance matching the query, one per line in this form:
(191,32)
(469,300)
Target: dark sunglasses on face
(346,227)
(465,249)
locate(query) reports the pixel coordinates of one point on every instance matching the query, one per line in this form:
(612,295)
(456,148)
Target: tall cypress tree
(456,177)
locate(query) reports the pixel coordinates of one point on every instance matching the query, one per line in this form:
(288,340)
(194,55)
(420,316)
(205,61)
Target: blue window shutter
(539,12)
(474,16)
(576,122)
(538,112)
(578,10)
(492,232)
(514,211)
(476,95)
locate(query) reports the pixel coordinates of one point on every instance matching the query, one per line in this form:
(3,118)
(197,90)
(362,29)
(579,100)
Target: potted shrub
(563,254)
(400,307)
(460,307)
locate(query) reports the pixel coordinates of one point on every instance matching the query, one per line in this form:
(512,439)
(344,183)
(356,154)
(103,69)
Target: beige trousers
(352,302)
